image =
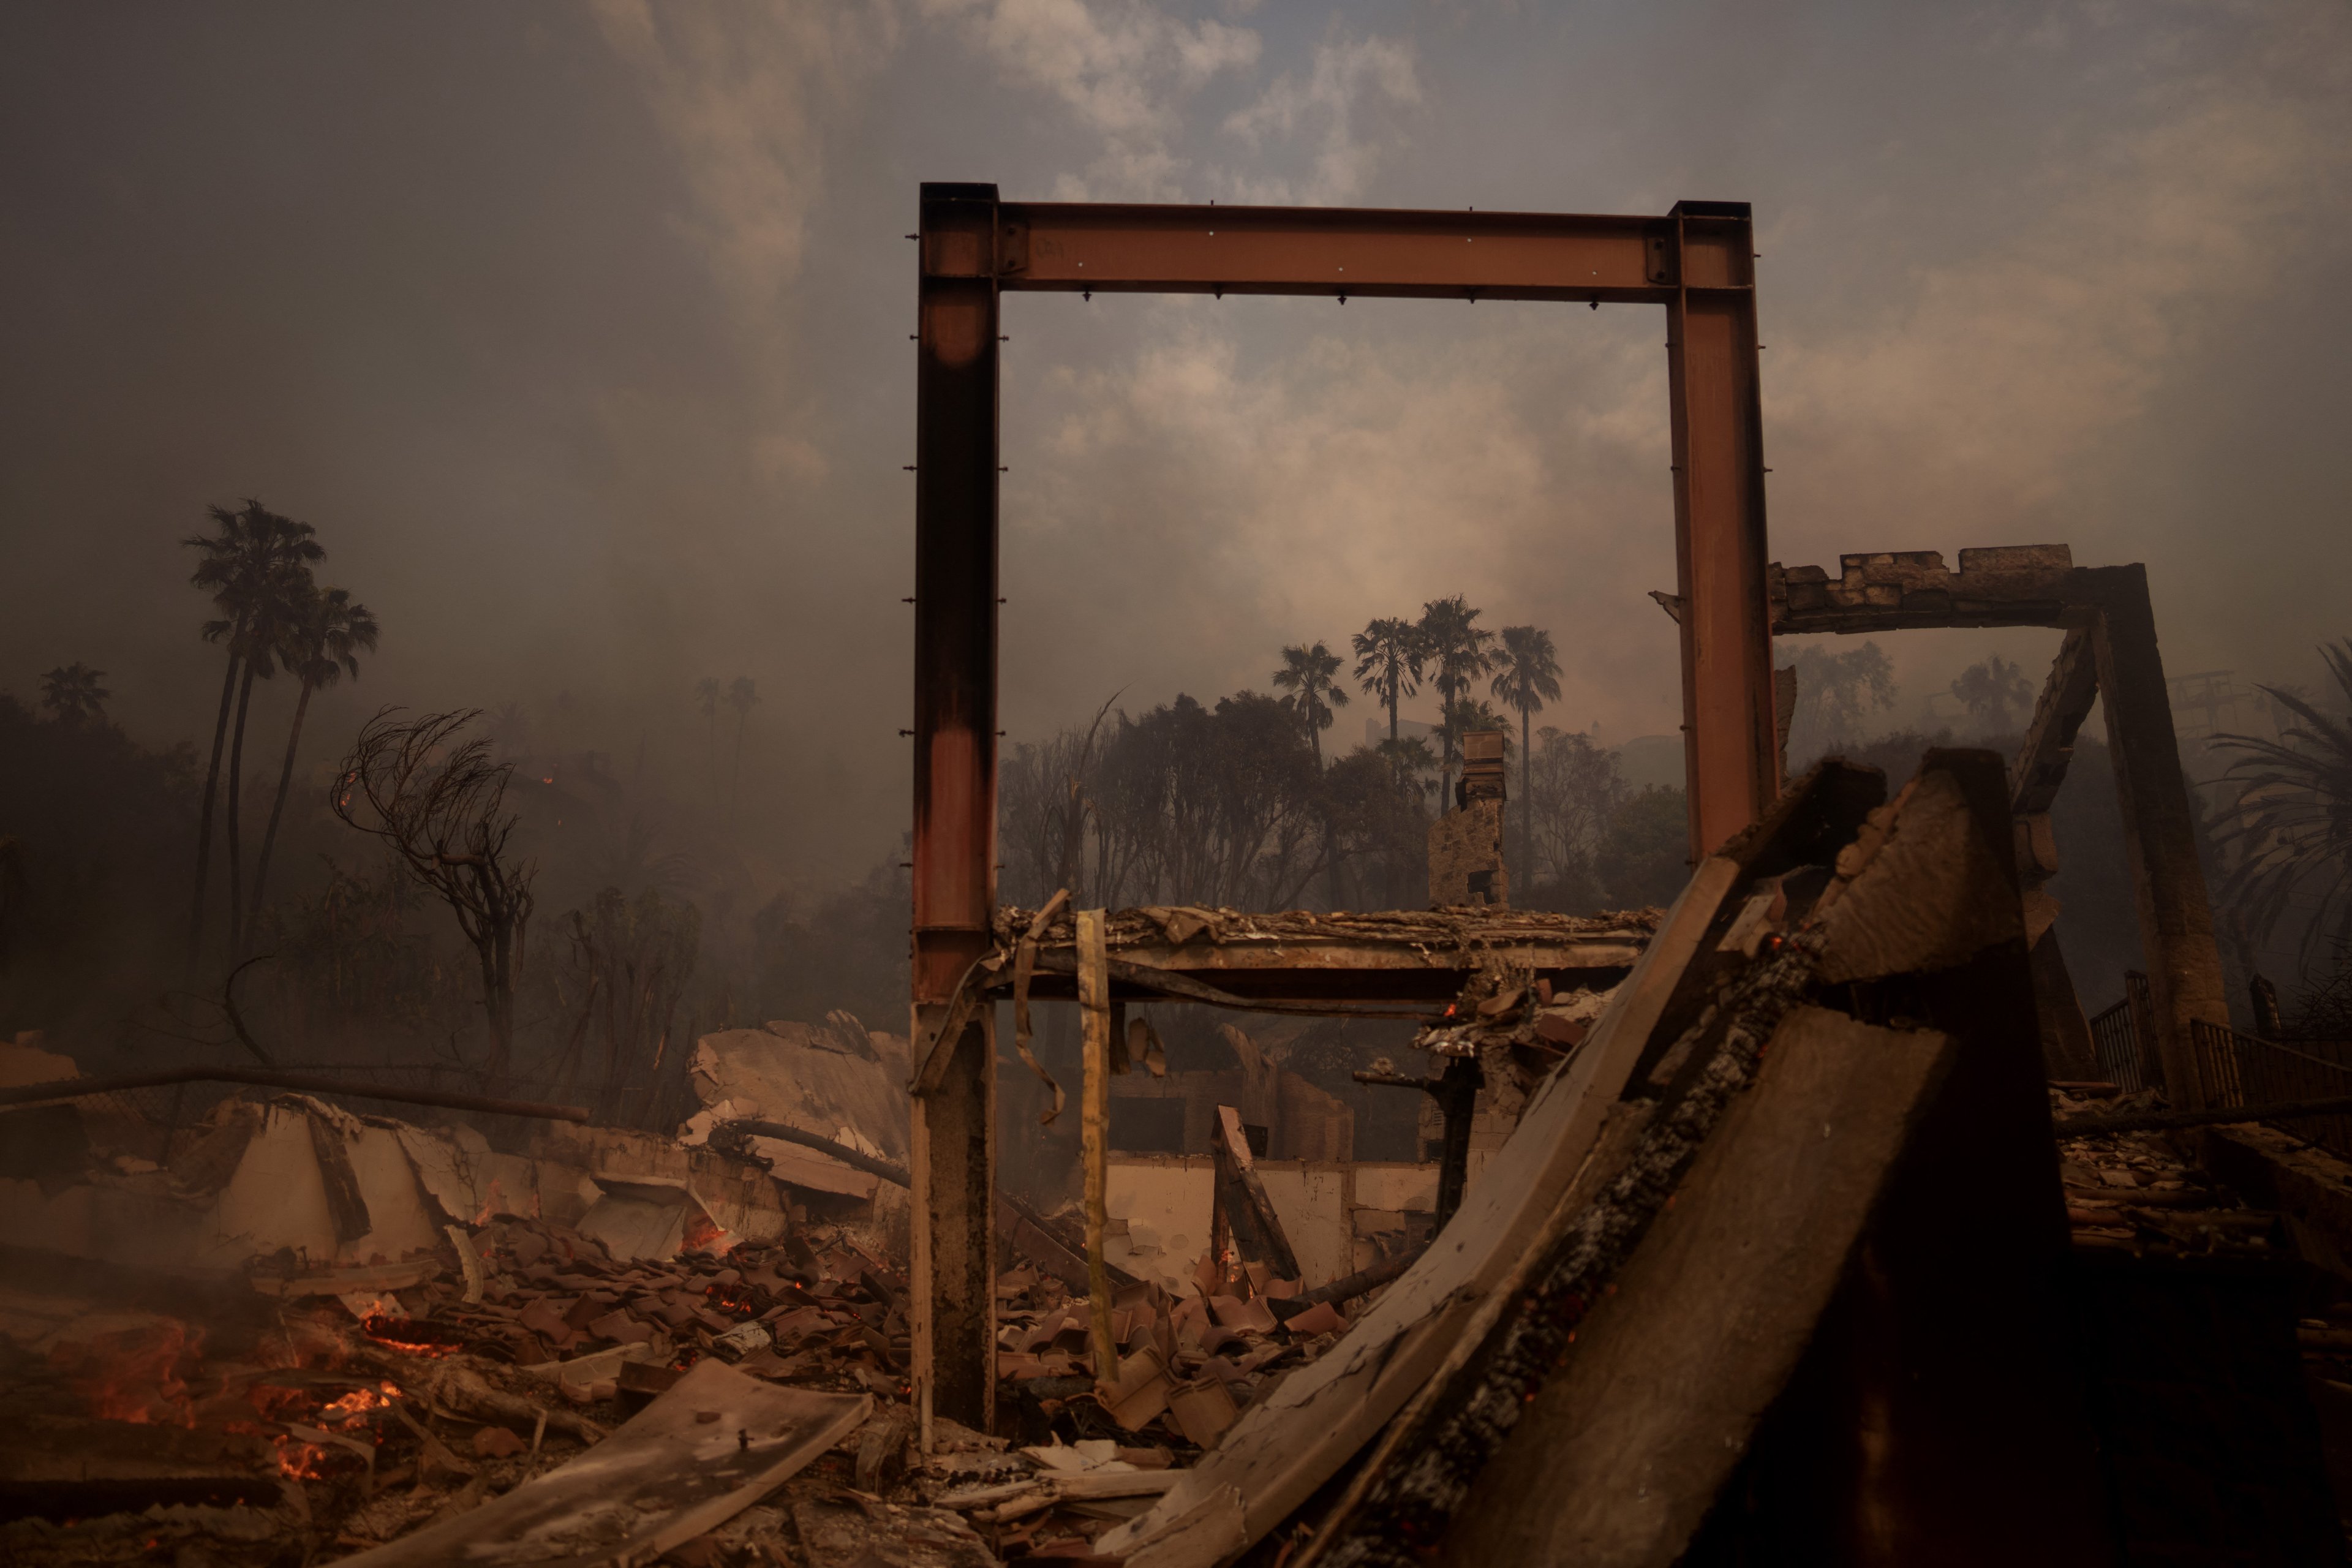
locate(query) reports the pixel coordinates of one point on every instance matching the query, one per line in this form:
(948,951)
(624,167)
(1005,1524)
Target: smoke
(580,335)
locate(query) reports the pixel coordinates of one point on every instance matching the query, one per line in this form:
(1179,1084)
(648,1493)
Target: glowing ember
(128,1370)
(701,1231)
(355,1404)
(302,1461)
(735,1299)
(407,1335)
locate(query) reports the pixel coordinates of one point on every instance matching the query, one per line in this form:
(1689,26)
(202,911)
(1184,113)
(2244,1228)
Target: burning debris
(293,1328)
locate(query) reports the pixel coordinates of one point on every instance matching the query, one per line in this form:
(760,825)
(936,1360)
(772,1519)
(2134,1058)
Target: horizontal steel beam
(1127,249)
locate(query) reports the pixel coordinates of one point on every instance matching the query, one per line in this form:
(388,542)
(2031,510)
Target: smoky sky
(581,334)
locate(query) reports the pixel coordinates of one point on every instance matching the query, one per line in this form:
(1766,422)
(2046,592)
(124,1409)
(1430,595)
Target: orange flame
(131,1373)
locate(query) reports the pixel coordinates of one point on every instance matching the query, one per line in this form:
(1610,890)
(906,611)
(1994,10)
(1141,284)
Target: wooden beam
(2065,702)
(1093,1102)
(1241,1194)
(2176,914)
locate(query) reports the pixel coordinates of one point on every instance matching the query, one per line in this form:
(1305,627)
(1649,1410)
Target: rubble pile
(399,1348)
(1187,1365)
(347,1408)
(2135,1192)
(356,1404)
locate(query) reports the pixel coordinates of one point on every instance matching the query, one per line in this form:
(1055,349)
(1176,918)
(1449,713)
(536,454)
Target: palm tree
(706,697)
(1468,713)
(740,696)
(320,647)
(1989,690)
(1459,651)
(72,692)
(275,615)
(1388,663)
(251,559)
(1527,678)
(1307,673)
(1411,757)
(2293,819)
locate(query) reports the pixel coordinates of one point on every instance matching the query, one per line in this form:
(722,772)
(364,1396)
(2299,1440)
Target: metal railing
(2245,1070)
(2124,1038)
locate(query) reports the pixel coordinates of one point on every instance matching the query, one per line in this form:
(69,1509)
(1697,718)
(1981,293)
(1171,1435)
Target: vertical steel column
(2176,917)
(1730,755)
(955,796)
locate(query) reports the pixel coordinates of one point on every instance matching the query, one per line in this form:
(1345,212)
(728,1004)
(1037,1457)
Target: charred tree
(440,803)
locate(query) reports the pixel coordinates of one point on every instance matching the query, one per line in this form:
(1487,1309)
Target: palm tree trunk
(235,777)
(204,825)
(1446,754)
(278,807)
(735,772)
(1526,799)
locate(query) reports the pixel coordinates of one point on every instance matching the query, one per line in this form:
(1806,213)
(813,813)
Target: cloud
(1121,68)
(1324,106)
(1984,390)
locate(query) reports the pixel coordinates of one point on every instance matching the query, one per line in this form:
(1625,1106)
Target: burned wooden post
(1094,1102)
(1457,1094)
(1456,1090)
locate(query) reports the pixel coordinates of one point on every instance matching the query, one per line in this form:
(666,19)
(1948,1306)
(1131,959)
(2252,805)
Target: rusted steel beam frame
(1364,252)
(954,880)
(1730,743)
(1697,261)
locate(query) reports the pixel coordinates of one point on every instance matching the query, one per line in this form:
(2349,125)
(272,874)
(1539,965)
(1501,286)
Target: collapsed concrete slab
(1832,1023)
(837,1080)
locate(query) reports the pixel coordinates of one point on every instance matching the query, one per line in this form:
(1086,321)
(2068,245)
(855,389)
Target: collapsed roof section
(1298,956)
